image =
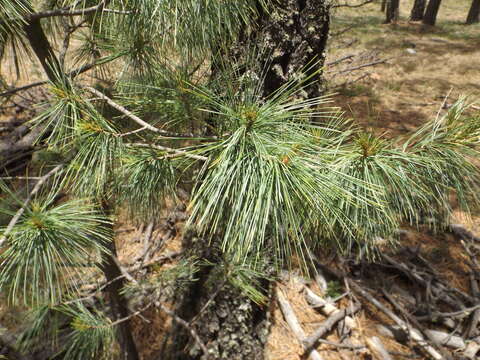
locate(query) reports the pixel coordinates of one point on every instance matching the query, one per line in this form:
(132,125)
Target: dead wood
(471,350)
(441,337)
(439,290)
(310,342)
(414,333)
(326,308)
(463,233)
(433,339)
(292,321)
(377,348)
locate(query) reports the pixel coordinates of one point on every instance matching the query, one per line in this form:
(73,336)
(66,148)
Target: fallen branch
(376,346)
(310,342)
(431,336)
(292,321)
(353,6)
(340,60)
(463,233)
(326,308)
(414,333)
(373,63)
(441,337)
(471,350)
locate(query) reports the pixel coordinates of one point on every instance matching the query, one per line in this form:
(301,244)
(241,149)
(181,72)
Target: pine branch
(34,191)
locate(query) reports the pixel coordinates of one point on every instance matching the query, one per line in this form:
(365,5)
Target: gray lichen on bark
(293,34)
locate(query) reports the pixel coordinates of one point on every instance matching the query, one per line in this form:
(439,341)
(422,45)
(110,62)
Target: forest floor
(423,65)
(420,72)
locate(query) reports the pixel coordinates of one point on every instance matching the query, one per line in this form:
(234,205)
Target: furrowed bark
(293,36)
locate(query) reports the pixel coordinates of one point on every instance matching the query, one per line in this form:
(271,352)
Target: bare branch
(178,152)
(134,117)
(185,325)
(362,66)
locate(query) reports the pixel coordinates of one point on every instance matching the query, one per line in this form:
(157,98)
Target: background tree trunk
(474,13)
(418,10)
(383,6)
(392,11)
(430,16)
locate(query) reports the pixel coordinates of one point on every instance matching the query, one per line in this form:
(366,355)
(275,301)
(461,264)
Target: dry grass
(398,96)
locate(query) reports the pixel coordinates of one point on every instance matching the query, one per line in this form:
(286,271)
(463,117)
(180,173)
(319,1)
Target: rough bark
(229,323)
(293,35)
(430,16)
(418,10)
(392,11)
(473,16)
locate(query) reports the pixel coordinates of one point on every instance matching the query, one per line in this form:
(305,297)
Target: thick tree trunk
(293,36)
(392,11)
(229,324)
(418,10)
(474,13)
(430,16)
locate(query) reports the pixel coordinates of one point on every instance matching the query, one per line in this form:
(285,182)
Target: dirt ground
(423,65)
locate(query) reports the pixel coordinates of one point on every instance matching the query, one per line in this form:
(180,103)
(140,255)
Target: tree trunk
(118,303)
(474,13)
(383,6)
(293,36)
(418,10)
(44,52)
(392,11)
(430,16)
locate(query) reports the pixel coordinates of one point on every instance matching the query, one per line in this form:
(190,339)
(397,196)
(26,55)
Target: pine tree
(221,94)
